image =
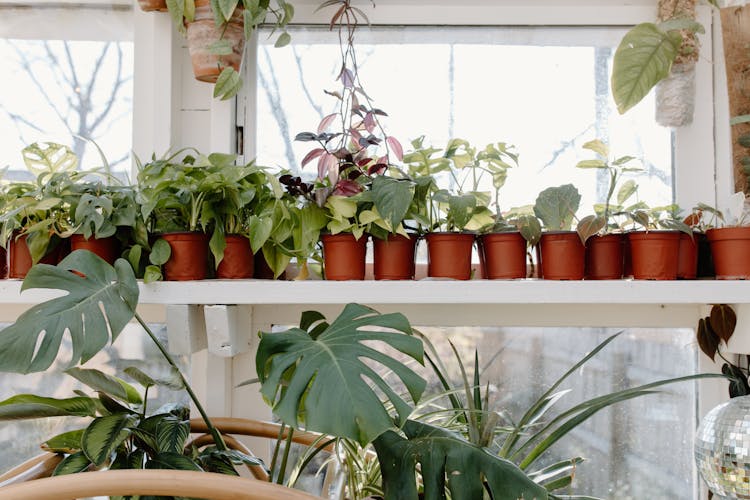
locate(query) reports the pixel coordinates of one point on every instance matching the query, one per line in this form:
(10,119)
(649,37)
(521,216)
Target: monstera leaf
(446,459)
(318,373)
(100,299)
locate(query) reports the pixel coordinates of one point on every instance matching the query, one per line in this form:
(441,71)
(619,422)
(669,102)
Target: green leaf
(102,437)
(175,461)
(228,84)
(298,372)
(556,207)
(220,48)
(173,381)
(25,406)
(739,119)
(101,301)
(49,157)
(260,230)
(284,39)
(101,382)
(591,164)
(177,12)
(627,190)
(643,58)
(72,464)
(392,198)
(227,8)
(160,252)
(597,147)
(448,460)
(152,273)
(682,23)
(172,434)
(67,442)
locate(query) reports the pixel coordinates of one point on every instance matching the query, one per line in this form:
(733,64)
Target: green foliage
(298,368)
(556,207)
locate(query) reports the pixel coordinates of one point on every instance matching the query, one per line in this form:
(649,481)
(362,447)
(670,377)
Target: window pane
(66,91)
(546,90)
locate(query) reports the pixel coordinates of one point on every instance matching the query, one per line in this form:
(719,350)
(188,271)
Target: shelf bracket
(186,329)
(228,329)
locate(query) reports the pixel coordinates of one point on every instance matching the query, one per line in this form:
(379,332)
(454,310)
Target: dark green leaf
(104,435)
(392,198)
(101,382)
(103,301)
(175,461)
(738,384)
(24,406)
(72,464)
(172,434)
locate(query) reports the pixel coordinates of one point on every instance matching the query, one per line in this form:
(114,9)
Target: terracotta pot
(730,247)
(203,32)
(238,261)
(654,254)
(449,255)
(344,256)
(705,257)
(3,263)
(563,256)
(393,258)
(189,258)
(687,258)
(19,258)
(604,257)
(152,5)
(504,255)
(106,248)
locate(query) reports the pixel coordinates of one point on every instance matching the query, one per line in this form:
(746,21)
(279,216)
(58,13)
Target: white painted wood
(228,329)
(212,381)
(724,184)
(186,329)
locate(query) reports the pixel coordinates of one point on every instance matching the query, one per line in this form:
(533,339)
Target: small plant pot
(202,33)
(504,255)
(262,270)
(687,258)
(189,258)
(449,255)
(344,256)
(705,257)
(604,257)
(106,248)
(238,261)
(19,257)
(730,247)
(393,259)
(563,256)
(152,5)
(654,254)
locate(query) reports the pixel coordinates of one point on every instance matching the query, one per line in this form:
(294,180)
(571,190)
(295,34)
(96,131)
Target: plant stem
(285,458)
(218,439)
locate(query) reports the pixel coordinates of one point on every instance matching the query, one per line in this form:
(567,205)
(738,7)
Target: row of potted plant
(231,219)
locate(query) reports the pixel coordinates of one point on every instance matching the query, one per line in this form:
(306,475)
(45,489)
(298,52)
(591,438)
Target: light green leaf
(26,406)
(591,164)
(260,230)
(101,382)
(643,58)
(227,8)
(152,274)
(392,198)
(228,84)
(311,367)
(102,437)
(589,226)
(94,307)
(627,190)
(682,23)
(49,157)
(67,442)
(341,207)
(556,207)
(173,381)
(597,147)
(160,252)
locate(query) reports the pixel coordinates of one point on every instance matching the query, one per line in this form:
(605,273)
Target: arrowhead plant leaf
(99,299)
(325,381)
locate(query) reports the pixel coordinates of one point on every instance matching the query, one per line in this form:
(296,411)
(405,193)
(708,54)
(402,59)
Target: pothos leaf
(723,321)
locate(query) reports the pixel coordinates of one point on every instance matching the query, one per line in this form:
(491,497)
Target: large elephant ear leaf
(448,460)
(99,301)
(327,381)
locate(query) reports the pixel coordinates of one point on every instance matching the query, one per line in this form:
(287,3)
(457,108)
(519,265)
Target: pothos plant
(556,207)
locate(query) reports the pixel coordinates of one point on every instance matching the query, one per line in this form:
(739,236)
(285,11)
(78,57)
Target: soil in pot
(604,257)
(654,254)
(449,255)
(687,258)
(563,256)
(152,5)
(238,261)
(730,247)
(189,258)
(202,33)
(393,259)
(19,257)
(504,255)
(705,258)
(344,256)
(106,248)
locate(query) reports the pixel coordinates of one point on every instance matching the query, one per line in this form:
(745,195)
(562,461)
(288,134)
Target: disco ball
(722,449)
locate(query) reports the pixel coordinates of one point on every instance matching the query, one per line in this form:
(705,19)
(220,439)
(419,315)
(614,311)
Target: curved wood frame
(255,428)
(40,466)
(192,484)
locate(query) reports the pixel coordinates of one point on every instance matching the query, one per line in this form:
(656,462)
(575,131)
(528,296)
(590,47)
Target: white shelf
(527,292)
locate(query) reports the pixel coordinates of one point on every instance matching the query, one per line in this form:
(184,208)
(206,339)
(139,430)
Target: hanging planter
(449,255)
(106,248)
(394,258)
(153,5)
(687,263)
(654,254)
(189,256)
(344,256)
(19,257)
(604,257)
(730,247)
(238,261)
(563,255)
(504,255)
(213,48)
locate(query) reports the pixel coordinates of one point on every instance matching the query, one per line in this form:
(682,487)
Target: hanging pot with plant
(153,5)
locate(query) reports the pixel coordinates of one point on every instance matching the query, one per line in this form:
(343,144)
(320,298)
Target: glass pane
(545,90)
(132,348)
(66,91)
